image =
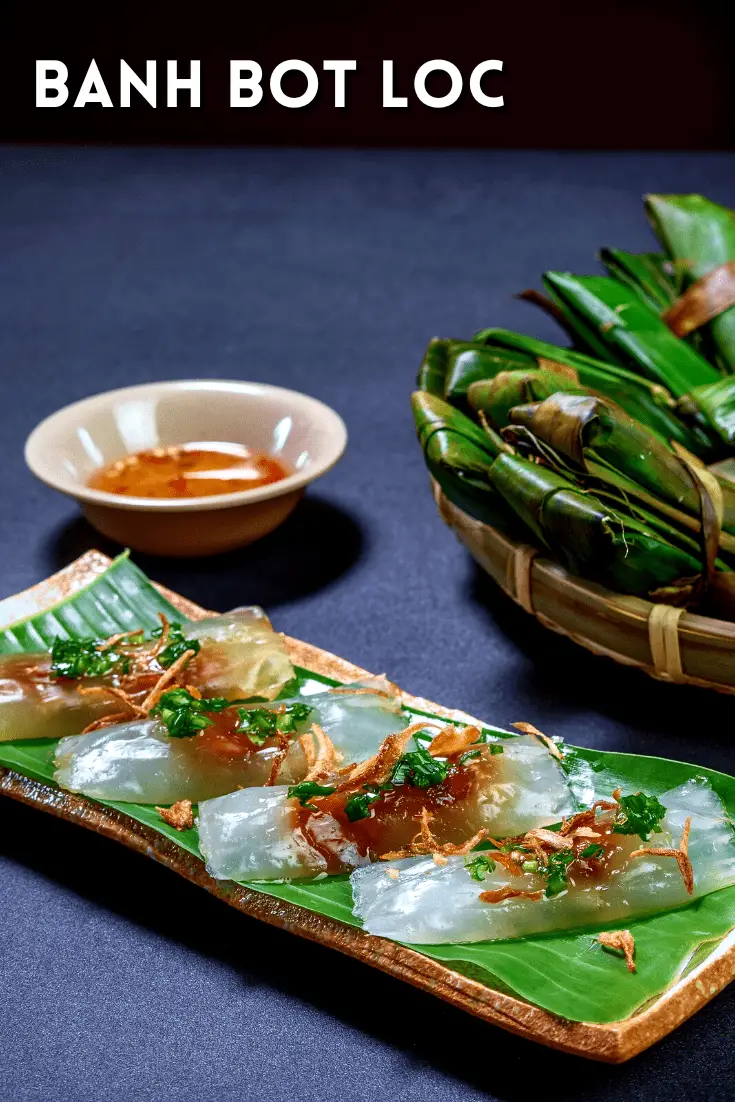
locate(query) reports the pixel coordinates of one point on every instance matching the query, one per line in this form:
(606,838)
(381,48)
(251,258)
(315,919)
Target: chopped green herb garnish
(260,724)
(639,814)
(556,872)
(513,847)
(488,738)
(176,645)
(183,714)
(470,755)
(480,866)
(357,806)
(74,658)
(592,850)
(81,658)
(307,790)
(530,866)
(418,768)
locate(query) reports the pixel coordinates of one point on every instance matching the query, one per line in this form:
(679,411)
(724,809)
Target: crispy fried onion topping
(374,686)
(452,741)
(320,753)
(279,757)
(680,855)
(499,895)
(377,770)
(585,820)
(621,941)
(140,657)
(131,708)
(179,815)
(424,843)
(529,729)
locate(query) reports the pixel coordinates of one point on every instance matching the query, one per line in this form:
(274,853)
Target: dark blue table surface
(324,271)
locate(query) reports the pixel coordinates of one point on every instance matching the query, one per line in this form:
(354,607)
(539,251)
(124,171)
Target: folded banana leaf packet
(609,455)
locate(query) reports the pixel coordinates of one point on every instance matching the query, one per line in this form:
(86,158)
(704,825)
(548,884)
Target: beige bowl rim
(321,415)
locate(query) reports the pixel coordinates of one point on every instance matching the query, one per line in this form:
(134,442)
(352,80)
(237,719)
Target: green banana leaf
(649,402)
(433,371)
(618,324)
(459,456)
(645,273)
(495,398)
(624,550)
(630,551)
(567,974)
(449,368)
(698,236)
(602,440)
(716,402)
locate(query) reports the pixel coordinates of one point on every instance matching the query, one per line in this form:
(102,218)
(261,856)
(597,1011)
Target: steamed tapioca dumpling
(49,695)
(196,749)
(458,787)
(600,871)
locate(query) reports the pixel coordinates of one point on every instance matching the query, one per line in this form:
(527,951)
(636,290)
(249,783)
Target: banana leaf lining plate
(611,1042)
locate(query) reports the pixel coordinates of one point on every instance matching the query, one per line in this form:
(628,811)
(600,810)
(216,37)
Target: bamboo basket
(668,643)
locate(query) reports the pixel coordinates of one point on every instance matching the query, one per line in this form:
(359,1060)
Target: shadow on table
(394,1013)
(316,545)
(566,679)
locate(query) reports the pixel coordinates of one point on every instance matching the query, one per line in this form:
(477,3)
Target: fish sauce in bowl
(201,469)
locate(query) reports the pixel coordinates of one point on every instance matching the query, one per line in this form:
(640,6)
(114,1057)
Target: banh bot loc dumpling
(468,783)
(196,749)
(630,856)
(81,682)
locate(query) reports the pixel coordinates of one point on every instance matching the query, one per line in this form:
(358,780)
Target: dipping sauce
(200,469)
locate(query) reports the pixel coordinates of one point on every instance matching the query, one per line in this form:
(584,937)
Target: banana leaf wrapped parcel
(699,239)
(625,549)
(598,453)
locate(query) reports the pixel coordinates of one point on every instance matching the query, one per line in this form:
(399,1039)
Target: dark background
(326,271)
(623,74)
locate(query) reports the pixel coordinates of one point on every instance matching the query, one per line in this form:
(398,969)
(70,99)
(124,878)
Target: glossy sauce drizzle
(200,469)
(394,819)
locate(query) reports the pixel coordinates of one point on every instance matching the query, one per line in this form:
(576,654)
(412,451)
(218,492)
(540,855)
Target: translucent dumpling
(339,829)
(476,898)
(48,695)
(141,762)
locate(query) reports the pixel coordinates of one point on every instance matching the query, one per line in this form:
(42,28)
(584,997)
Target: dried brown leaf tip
(529,729)
(180,815)
(680,855)
(621,941)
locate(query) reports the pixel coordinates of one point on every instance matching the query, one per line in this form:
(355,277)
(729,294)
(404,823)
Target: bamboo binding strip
(667,643)
(519,575)
(663,633)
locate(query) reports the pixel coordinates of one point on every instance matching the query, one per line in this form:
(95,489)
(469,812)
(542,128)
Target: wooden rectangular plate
(613,1043)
